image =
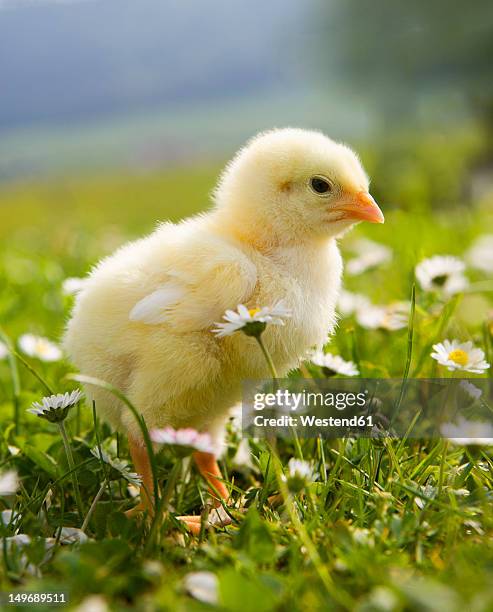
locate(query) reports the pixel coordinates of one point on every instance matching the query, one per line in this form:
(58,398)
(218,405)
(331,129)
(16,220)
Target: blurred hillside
(92,84)
(99,86)
(67,61)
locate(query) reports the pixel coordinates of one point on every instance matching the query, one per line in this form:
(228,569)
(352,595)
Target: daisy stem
(273,372)
(93,506)
(267,356)
(29,367)
(71,464)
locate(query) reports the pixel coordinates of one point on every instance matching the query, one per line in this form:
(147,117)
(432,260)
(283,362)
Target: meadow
(373,525)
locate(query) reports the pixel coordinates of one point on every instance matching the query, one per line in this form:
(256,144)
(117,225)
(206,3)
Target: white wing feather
(154,308)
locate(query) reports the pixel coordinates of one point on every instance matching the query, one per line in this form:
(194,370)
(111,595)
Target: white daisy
(187,438)
(468,433)
(300,468)
(120,466)
(480,255)
(362,536)
(7,517)
(56,407)
(42,348)
(4,351)
(203,586)
(334,363)
(72,535)
(369,255)
(93,603)
(73,285)
(392,317)
(457,355)
(252,322)
(300,474)
(9,483)
(349,303)
(443,273)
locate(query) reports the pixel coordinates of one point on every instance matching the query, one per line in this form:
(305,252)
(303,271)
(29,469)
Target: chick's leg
(209,469)
(142,465)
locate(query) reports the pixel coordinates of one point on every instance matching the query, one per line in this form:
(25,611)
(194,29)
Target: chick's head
(294,183)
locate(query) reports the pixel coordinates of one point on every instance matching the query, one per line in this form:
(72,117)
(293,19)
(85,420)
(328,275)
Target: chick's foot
(218,517)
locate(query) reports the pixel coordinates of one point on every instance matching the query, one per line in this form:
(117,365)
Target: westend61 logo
(334,408)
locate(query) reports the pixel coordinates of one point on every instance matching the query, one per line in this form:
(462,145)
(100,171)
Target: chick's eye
(320,185)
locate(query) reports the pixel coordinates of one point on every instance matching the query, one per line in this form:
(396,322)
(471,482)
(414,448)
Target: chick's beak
(361,207)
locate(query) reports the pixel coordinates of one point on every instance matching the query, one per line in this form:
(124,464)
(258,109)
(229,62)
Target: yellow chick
(143,319)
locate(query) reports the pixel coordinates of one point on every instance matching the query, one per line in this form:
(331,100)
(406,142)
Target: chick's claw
(218,517)
(139,509)
(192,523)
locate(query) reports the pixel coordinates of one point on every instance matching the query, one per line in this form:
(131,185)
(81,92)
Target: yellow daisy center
(253,311)
(459,357)
(41,347)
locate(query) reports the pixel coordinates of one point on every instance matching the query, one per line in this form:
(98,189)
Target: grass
(385,526)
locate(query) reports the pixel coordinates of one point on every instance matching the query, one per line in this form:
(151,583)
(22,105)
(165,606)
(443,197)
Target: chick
(143,319)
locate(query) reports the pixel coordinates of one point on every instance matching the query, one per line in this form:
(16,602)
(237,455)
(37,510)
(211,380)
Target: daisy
(187,438)
(56,407)
(119,466)
(391,317)
(468,433)
(334,363)
(300,474)
(4,351)
(252,322)
(7,517)
(203,586)
(457,355)
(42,348)
(72,535)
(300,469)
(73,285)
(9,483)
(362,536)
(93,603)
(480,255)
(349,303)
(442,273)
(369,255)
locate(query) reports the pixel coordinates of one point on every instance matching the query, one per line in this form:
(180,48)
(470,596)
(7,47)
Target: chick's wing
(202,281)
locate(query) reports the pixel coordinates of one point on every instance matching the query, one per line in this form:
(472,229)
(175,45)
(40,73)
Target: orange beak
(362,207)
